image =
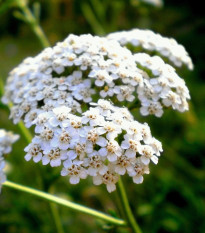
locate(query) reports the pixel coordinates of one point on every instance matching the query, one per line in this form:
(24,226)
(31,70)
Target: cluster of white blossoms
(104,142)
(52,92)
(165,88)
(150,41)
(84,68)
(6,141)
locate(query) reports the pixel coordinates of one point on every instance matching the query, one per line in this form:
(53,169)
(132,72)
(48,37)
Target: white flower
(93,117)
(93,137)
(112,150)
(6,141)
(147,154)
(124,93)
(33,151)
(104,107)
(75,171)
(156,146)
(42,121)
(110,129)
(54,157)
(101,77)
(146,133)
(95,165)
(137,171)
(108,90)
(64,138)
(44,139)
(60,117)
(123,164)
(109,179)
(152,108)
(31,116)
(134,129)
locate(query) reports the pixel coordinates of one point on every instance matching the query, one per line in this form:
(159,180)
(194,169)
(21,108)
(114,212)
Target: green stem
(55,213)
(91,18)
(34,25)
(127,210)
(66,203)
(56,218)
(25,132)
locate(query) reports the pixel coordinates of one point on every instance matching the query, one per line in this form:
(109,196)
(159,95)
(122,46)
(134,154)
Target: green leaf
(6,5)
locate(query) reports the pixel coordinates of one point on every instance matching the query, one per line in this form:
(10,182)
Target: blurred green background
(171,198)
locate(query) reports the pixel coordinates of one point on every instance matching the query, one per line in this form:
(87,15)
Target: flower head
(6,141)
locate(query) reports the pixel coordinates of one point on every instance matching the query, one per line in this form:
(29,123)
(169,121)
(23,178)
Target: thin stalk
(26,133)
(33,23)
(1,87)
(69,204)
(56,217)
(55,213)
(127,210)
(91,18)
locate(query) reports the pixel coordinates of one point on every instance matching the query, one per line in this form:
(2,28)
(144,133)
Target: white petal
(130,153)
(74,179)
(37,158)
(67,163)
(92,171)
(55,162)
(71,154)
(101,142)
(120,170)
(28,157)
(64,172)
(97,180)
(103,151)
(103,170)
(83,174)
(45,160)
(145,160)
(63,146)
(112,157)
(111,187)
(154,159)
(138,179)
(125,145)
(53,122)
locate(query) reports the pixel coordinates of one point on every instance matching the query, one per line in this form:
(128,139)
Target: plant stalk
(66,203)
(127,210)
(34,25)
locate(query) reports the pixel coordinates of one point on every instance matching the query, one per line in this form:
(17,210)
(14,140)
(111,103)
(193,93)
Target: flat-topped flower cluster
(104,142)
(53,90)
(6,141)
(85,68)
(150,41)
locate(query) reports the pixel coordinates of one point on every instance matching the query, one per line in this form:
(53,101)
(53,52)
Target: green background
(171,198)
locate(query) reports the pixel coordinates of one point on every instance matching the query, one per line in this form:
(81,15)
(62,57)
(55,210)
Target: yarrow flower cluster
(52,91)
(83,68)
(104,142)
(6,141)
(150,41)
